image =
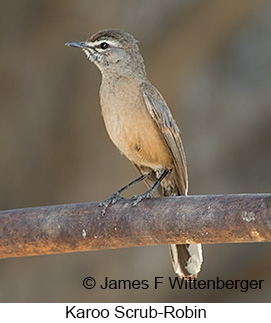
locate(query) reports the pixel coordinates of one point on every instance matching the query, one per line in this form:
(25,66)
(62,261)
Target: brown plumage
(140,124)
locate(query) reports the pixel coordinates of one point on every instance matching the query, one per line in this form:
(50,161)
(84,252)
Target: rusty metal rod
(183,219)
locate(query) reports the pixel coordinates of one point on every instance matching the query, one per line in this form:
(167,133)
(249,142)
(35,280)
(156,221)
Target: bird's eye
(104,45)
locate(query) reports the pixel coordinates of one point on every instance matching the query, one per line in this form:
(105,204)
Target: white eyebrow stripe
(110,42)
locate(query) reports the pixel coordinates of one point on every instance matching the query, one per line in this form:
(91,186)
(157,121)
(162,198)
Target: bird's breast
(131,127)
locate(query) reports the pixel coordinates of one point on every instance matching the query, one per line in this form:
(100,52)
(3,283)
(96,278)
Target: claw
(139,198)
(111,200)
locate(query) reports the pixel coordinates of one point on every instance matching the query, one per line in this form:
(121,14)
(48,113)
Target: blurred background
(212,62)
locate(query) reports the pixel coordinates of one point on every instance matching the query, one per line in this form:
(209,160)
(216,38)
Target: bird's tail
(186,259)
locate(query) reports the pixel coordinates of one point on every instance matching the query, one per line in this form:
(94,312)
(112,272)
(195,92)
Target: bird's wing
(161,114)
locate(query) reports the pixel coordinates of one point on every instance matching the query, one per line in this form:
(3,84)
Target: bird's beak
(78,44)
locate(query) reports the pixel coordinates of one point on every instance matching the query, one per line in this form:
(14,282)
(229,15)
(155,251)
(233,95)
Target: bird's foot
(139,198)
(111,200)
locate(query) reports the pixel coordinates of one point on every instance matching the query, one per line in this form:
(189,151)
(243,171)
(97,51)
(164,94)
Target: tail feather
(186,259)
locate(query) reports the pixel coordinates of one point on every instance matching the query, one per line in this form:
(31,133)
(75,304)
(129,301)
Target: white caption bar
(121,312)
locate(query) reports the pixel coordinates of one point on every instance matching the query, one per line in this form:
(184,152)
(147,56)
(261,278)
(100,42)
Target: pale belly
(135,134)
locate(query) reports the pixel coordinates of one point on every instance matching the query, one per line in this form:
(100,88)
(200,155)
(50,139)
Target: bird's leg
(148,194)
(116,196)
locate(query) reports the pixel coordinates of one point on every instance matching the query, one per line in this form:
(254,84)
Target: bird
(141,126)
